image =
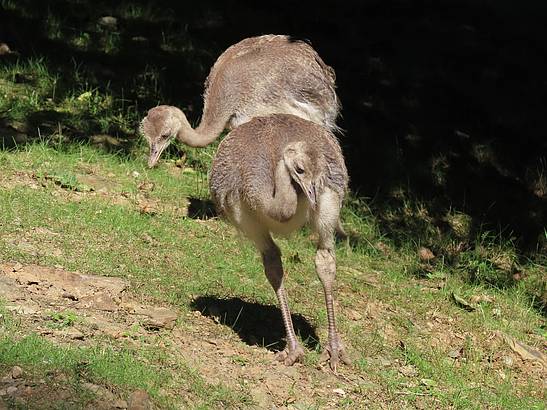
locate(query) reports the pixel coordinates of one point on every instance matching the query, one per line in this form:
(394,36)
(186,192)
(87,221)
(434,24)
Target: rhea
(258,76)
(272,175)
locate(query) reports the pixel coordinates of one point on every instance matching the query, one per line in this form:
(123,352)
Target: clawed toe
(335,353)
(290,356)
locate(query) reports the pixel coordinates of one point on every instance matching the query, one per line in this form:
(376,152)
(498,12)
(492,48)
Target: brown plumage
(255,77)
(273,174)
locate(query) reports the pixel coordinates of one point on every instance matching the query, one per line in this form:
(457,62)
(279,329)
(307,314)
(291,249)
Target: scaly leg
(325,222)
(325,266)
(271,258)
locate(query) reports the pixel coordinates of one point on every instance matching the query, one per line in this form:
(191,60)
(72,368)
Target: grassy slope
(400,320)
(396,312)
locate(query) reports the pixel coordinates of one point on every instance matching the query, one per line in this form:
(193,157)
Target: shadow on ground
(256,324)
(201,208)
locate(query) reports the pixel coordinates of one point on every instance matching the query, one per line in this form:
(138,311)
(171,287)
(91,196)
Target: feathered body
(271,74)
(243,176)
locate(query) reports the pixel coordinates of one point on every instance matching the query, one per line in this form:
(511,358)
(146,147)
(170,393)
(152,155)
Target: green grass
(119,368)
(172,259)
(74,166)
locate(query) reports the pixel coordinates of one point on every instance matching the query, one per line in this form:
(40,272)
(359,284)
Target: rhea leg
(325,222)
(247,221)
(271,258)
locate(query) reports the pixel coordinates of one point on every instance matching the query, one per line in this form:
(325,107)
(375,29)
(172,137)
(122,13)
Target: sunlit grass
(189,257)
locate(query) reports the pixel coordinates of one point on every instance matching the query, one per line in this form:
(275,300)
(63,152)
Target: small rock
(408,371)
(158,318)
(454,354)
(425,254)
(73,334)
(16,372)
(135,174)
(339,392)
(17,267)
(68,295)
(4,49)
(139,400)
(508,361)
(108,22)
(11,390)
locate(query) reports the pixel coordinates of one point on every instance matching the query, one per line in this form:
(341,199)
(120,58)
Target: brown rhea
(272,175)
(258,76)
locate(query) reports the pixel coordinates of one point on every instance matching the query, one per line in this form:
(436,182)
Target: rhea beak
(156,148)
(309,191)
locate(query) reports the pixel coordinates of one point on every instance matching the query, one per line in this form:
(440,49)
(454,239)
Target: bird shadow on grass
(255,323)
(201,208)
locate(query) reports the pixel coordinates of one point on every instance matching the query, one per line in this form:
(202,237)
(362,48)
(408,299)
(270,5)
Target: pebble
(108,22)
(339,392)
(508,361)
(11,390)
(16,372)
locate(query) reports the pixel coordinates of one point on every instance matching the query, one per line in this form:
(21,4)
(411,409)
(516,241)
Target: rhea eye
(299,170)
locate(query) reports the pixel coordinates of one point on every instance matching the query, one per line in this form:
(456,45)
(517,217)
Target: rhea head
(159,127)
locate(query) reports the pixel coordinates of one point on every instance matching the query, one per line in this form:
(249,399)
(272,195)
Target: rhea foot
(335,352)
(290,356)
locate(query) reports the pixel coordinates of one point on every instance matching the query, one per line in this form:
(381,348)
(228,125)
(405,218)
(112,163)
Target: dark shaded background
(443,102)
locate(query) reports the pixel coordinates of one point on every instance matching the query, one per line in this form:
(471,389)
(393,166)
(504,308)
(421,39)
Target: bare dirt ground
(104,307)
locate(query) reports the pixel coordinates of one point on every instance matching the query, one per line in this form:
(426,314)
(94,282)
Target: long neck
(281,206)
(206,132)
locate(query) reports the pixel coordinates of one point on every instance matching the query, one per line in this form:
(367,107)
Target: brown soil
(105,307)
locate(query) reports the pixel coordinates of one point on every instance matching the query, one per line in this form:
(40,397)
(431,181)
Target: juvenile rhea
(255,77)
(272,175)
